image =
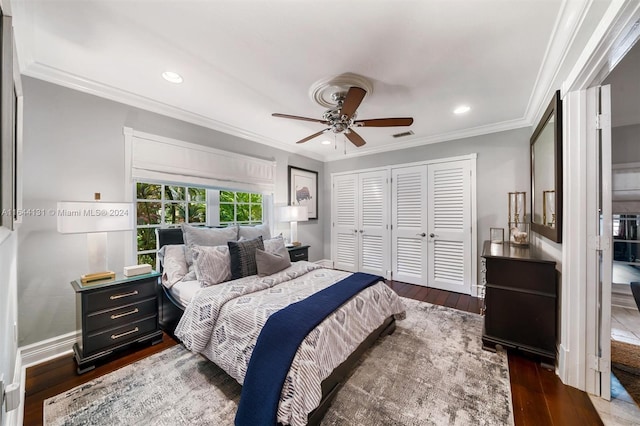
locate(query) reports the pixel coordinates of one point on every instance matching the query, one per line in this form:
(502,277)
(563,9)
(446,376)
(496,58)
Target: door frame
(613,38)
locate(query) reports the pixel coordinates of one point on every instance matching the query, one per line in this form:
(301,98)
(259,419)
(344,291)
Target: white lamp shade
(293,214)
(79,217)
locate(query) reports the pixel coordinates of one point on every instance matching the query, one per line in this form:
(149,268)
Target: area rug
(625,365)
(431,371)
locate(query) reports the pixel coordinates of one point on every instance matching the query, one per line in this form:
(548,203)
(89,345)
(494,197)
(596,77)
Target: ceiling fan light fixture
(172,77)
(326,142)
(462,109)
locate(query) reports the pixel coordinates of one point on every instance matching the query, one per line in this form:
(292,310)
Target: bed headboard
(167,236)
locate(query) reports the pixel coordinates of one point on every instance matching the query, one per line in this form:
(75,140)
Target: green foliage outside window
(240,207)
(161,205)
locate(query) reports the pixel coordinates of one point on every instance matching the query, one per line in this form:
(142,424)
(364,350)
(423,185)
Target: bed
(234,311)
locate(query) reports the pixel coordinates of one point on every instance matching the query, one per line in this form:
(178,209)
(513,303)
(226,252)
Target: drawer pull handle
(120,296)
(117,336)
(124,314)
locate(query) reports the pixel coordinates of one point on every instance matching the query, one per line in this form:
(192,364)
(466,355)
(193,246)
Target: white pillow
(212,264)
(174,264)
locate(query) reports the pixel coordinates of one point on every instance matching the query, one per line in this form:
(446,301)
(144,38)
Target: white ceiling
(243,60)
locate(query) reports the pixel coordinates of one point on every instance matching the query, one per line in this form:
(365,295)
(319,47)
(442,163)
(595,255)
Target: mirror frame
(554,108)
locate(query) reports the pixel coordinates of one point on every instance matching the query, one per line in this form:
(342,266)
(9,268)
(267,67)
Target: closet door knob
(422,235)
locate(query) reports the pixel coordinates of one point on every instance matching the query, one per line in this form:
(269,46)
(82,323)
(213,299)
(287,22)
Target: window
(243,208)
(161,205)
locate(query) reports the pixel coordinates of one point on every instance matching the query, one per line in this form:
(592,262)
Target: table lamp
(293,215)
(95,218)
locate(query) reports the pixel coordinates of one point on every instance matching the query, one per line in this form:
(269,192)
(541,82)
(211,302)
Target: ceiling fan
(342,117)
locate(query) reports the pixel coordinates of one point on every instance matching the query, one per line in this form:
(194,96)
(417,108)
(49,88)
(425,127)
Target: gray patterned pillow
(212,264)
(199,236)
(243,257)
(276,245)
(270,263)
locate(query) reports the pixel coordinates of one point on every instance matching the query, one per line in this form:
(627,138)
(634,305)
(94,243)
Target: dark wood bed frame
(171,312)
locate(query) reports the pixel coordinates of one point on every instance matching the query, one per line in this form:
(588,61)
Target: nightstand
(113,314)
(298,253)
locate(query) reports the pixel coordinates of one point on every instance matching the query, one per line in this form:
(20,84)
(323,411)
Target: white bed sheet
(184,291)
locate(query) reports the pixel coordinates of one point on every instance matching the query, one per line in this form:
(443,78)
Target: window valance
(156,158)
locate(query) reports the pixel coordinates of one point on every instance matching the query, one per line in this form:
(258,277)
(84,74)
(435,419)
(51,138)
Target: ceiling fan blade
(385,122)
(355,138)
(312,136)
(355,95)
(295,117)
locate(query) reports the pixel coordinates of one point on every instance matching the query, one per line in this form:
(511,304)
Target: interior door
(600,229)
(409,224)
(374,238)
(449,219)
(345,226)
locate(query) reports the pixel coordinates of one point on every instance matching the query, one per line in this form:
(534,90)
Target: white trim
(223,169)
(34,354)
(471,156)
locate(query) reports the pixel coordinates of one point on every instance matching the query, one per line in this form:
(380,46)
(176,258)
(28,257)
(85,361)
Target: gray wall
(8,310)
(625,144)
(502,166)
(73,147)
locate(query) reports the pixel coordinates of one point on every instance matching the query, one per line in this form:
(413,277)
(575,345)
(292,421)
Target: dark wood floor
(539,397)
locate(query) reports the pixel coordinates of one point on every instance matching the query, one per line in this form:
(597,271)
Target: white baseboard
(34,354)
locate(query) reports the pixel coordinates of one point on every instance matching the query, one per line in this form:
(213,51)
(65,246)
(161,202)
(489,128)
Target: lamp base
(97,276)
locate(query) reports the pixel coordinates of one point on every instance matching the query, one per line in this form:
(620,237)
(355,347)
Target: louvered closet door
(344,235)
(449,215)
(409,223)
(373,231)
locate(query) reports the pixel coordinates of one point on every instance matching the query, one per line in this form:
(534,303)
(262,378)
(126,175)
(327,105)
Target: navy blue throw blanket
(278,342)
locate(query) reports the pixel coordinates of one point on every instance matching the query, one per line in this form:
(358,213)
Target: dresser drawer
(121,315)
(522,275)
(116,296)
(96,342)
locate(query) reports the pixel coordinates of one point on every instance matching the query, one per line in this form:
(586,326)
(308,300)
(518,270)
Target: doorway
(625,221)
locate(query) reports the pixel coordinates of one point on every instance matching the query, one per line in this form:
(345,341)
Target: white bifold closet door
(360,228)
(449,218)
(409,224)
(374,234)
(344,235)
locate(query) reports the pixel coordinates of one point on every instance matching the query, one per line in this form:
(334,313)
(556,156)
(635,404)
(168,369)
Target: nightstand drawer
(115,336)
(113,297)
(121,315)
(298,253)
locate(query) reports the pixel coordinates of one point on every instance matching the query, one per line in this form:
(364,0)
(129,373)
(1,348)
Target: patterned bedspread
(223,323)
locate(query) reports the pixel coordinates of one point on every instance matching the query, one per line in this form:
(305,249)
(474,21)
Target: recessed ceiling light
(462,109)
(326,142)
(172,77)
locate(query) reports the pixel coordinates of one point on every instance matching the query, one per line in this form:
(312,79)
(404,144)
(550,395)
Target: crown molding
(444,137)
(568,23)
(75,82)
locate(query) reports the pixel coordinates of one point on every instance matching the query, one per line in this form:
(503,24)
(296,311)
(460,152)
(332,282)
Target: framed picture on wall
(303,189)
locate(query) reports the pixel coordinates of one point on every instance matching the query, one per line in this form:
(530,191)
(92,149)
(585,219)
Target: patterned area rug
(431,371)
(625,364)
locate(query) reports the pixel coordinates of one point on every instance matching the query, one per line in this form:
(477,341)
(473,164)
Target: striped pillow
(243,257)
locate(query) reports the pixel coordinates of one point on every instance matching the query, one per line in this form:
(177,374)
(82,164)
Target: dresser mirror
(546,173)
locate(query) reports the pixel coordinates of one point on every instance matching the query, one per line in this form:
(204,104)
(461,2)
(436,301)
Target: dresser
(114,314)
(520,300)
(298,253)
